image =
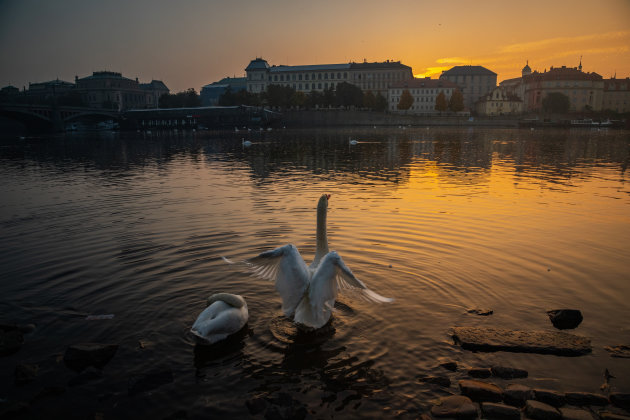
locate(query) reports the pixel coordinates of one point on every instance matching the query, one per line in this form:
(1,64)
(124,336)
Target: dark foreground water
(443,220)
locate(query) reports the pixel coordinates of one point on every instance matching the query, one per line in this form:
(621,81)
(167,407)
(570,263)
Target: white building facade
(424,93)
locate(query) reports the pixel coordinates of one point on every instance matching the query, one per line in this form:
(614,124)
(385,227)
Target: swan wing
(286,267)
(332,276)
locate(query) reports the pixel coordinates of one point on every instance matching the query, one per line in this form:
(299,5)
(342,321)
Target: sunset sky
(191,43)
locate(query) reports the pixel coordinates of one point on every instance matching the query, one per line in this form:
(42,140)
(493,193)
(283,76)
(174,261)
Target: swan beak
(327,196)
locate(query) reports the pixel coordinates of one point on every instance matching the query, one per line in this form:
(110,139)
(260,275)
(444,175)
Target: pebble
(548,396)
(480,391)
(585,398)
(454,406)
(500,411)
(517,394)
(540,411)
(575,414)
(565,318)
(480,372)
(508,372)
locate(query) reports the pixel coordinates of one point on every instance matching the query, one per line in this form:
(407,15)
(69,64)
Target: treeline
(344,95)
(185,99)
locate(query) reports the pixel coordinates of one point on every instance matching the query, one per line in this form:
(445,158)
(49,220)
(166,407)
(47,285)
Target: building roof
(106,75)
(562,73)
(468,71)
(424,83)
(379,65)
(313,67)
(617,84)
(155,84)
(227,81)
(257,64)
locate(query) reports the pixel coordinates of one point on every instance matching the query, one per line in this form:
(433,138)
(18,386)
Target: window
(326,76)
(306,77)
(319,76)
(300,77)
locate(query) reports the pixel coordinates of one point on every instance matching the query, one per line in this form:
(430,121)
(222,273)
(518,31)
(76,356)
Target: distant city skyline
(191,44)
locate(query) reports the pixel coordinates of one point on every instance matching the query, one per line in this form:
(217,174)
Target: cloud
(557,42)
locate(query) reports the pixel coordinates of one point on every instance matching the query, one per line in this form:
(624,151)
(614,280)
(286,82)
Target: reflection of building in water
(375,77)
(473,81)
(424,92)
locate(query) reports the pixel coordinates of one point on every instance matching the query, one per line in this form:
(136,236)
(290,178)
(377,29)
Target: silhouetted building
(499,101)
(424,92)
(473,81)
(375,77)
(211,93)
(616,95)
(107,89)
(9,92)
(43,92)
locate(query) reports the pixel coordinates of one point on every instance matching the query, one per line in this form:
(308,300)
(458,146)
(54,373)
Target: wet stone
(564,319)
(540,411)
(480,372)
(25,373)
(517,394)
(585,398)
(547,396)
(500,411)
(454,406)
(544,342)
(80,356)
(481,312)
(620,400)
(480,391)
(606,415)
(575,414)
(618,351)
(508,372)
(449,365)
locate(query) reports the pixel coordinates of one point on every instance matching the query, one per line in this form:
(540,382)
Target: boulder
(548,396)
(544,342)
(25,373)
(620,400)
(454,406)
(540,411)
(150,380)
(479,372)
(564,319)
(11,339)
(80,356)
(508,372)
(480,391)
(517,394)
(585,398)
(500,411)
(575,414)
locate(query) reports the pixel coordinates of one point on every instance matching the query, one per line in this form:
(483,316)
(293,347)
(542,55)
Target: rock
(480,372)
(575,414)
(548,396)
(606,415)
(89,374)
(256,405)
(620,400)
(437,380)
(618,351)
(500,411)
(508,372)
(149,381)
(540,411)
(585,398)
(25,373)
(544,342)
(480,391)
(80,356)
(454,406)
(448,365)
(11,339)
(564,319)
(517,394)
(481,312)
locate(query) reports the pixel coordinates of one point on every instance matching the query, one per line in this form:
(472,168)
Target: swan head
(323,201)
(235,301)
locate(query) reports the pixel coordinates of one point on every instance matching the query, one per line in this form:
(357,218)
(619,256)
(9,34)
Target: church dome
(526,70)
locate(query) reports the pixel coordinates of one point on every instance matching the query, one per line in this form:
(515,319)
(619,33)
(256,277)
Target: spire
(580,66)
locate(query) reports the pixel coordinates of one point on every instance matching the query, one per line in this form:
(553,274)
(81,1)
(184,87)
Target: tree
(556,103)
(369,100)
(440,102)
(185,99)
(349,95)
(406,100)
(456,103)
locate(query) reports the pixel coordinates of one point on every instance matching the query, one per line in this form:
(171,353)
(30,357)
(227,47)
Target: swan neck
(322,239)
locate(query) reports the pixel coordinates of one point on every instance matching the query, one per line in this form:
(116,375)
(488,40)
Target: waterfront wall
(339,118)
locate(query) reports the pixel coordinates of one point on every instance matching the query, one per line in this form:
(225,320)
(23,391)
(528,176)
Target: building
(500,101)
(211,93)
(44,92)
(424,92)
(473,81)
(107,89)
(616,95)
(376,77)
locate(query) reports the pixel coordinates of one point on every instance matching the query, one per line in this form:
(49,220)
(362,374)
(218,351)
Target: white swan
(352,141)
(226,314)
(309,293)
(245,143)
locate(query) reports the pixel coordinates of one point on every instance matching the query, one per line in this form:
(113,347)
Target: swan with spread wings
(309,292)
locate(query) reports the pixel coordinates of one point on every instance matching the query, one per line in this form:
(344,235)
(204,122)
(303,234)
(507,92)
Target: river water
(441,219)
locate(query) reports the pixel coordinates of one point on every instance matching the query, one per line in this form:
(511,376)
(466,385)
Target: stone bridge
(54,118)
